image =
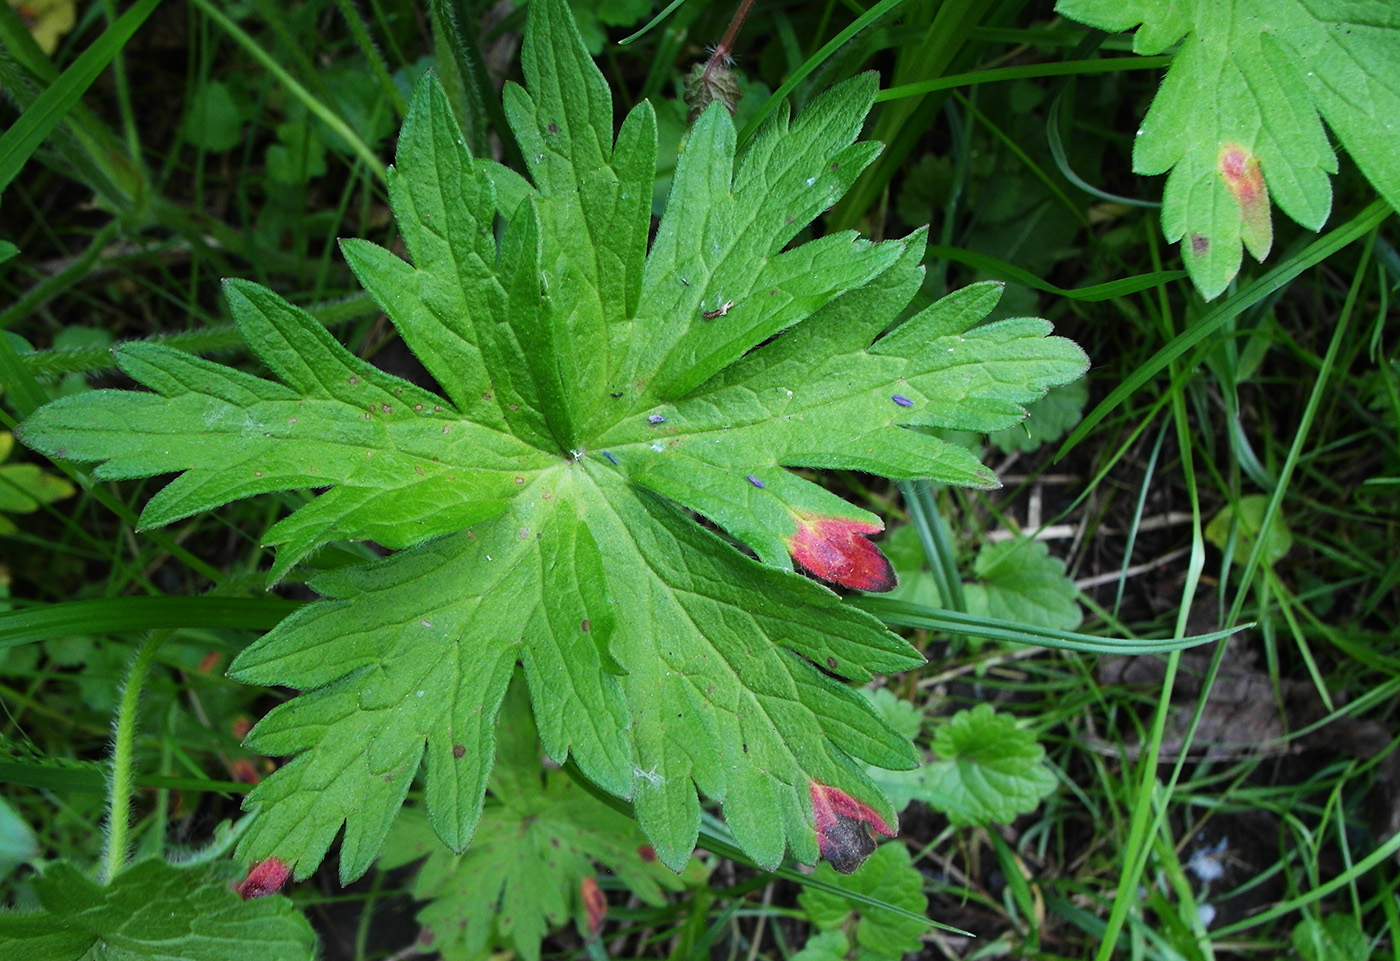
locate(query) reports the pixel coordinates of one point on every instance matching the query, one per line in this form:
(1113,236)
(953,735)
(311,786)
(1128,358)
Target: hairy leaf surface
(590,395)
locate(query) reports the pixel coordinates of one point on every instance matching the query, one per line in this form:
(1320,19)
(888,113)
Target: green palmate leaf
(590,394)
(1019,581)
(987,769)
(1246,519)
(878,934)
(531,866)
(1238,120)
(154,911)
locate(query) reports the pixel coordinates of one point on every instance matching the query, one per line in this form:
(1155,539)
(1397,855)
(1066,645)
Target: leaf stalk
(123,750)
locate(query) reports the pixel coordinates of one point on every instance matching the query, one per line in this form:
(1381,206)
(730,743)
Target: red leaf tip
(835,549)
(1240,170)
(595,903)
(264,878)
(843,824)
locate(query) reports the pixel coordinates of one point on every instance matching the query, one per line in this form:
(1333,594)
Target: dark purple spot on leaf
(842,825)
(553,128)
(615,395)
(656,419)
(609,456)
(1199,244)
(755,481)
(902,401)
(846,844)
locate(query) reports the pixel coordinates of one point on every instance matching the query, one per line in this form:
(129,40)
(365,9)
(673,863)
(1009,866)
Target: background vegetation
(1240,801)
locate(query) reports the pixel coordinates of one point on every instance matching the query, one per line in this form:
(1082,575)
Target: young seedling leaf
(1238,119)
(154,911)
(1018,580)
(590,395)
(987,771)
(889,875)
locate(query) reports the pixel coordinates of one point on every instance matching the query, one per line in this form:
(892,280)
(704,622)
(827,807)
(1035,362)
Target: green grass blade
(1026,72)
(905,614)
(1312,255)
(1002,270)
(326,115)
(18,143)
(813,62)
(121,614)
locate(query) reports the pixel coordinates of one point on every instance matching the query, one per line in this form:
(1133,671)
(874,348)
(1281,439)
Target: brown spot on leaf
(1199,244)
(846,844)
(459,751)
(585,625)
(647,853)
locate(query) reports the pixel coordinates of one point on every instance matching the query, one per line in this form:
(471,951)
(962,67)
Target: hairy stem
(123,747)
(726,43)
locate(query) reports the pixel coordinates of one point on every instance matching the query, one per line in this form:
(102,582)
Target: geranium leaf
(155,911)
(1238,119)
(987,771)
(533,858)
(589,396)
(1018,580)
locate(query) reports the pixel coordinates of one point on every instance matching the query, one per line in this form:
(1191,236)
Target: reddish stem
(726,44)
